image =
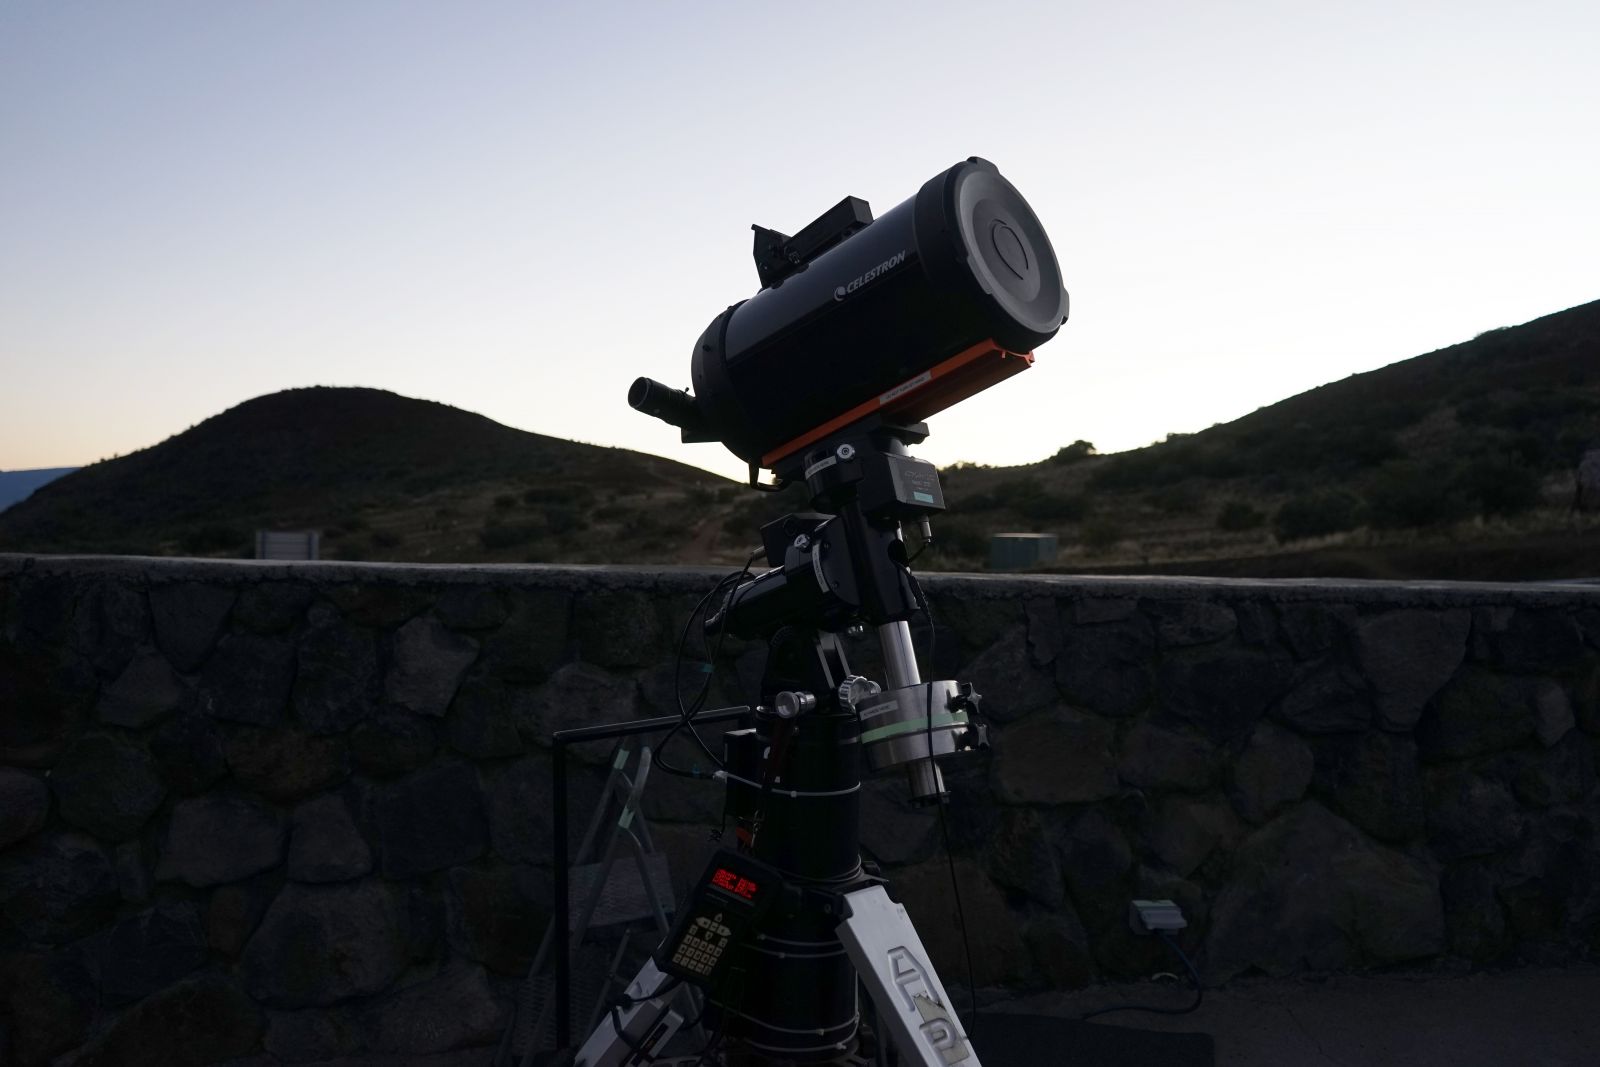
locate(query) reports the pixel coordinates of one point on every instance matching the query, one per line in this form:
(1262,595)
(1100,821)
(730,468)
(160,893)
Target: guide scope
(900,316)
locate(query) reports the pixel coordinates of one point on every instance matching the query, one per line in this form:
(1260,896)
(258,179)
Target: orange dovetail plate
(943,385)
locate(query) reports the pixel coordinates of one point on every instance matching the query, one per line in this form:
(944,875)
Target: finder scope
(900,316)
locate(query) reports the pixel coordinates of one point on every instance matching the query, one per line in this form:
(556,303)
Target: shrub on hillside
(1316,514)
(214,537)
(1053,507)
(1176,499)
(1031,500)
(955,536)
(1528,409)
(506,534)
(576,495)
(1008,492)
(1412,495)
(1101,533)
(564,520)
(1076,452)
(1499,486)
(643,524)
(1236,516)
(1154,465)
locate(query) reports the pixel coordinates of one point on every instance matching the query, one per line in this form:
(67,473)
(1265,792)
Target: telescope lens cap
(1009,247)
(1009,252)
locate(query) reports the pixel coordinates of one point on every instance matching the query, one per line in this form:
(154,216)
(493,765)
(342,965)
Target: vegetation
(1101,533)
(1076,452)
(382,476)
(1237,516)
(1458,463)
(1473,444)
(1316,515)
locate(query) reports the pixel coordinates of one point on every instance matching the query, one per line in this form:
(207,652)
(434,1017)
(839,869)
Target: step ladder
(618,880)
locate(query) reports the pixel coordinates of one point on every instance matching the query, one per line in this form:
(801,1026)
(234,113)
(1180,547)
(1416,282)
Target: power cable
(944,827)
(1194,975)
(622,1000)
(687,713)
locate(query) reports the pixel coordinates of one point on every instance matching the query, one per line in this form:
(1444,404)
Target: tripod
(780,932)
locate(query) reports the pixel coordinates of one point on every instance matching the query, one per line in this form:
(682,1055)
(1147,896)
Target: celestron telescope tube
(963,262)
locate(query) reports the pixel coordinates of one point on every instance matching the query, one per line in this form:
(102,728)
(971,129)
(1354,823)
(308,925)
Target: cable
(677,687)
(621,999)
(944,827)
(716,1039)
(961,918)
(792,794)
(927,612)
(1194,975)
(708,667)
(686,714)
(723,1011)
(927,543)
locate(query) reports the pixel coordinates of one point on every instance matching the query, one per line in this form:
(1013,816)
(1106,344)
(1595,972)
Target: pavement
(1527,1017)
(1524,1017)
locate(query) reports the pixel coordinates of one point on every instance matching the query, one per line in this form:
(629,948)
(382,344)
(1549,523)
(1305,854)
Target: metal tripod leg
(910,1002)
(646,1025)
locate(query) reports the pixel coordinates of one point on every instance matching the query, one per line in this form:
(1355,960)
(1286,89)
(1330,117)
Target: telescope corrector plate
(1008,251)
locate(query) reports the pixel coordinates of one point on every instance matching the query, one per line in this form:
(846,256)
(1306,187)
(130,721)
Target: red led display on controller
(739,887)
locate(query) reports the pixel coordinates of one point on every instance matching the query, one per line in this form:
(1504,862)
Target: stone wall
(302,809)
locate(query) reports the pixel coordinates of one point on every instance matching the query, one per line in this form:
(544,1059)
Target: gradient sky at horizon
(518,208)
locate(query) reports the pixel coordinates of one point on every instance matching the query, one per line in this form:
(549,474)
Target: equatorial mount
(781,981)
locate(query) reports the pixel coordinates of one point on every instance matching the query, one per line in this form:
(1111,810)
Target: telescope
(862,328)
(898,317)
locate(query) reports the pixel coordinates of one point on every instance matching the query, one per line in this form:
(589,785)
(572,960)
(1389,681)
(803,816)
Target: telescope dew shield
(942,296)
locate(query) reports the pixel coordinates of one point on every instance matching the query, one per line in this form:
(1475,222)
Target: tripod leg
(647,1025)
(611,982)
(910,1002)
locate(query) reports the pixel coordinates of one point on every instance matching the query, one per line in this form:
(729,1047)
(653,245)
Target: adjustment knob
(855,689)
(791,703)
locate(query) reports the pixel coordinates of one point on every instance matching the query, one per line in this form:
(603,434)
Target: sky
(517,208)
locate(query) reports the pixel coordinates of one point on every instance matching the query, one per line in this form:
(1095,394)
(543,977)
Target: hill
(16,485)
(1455,464)
(383,476)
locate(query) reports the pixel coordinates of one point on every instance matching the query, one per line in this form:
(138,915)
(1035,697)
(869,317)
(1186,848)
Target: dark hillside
(1475,443)
(1455,464)
(390,476)
(1529,393)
